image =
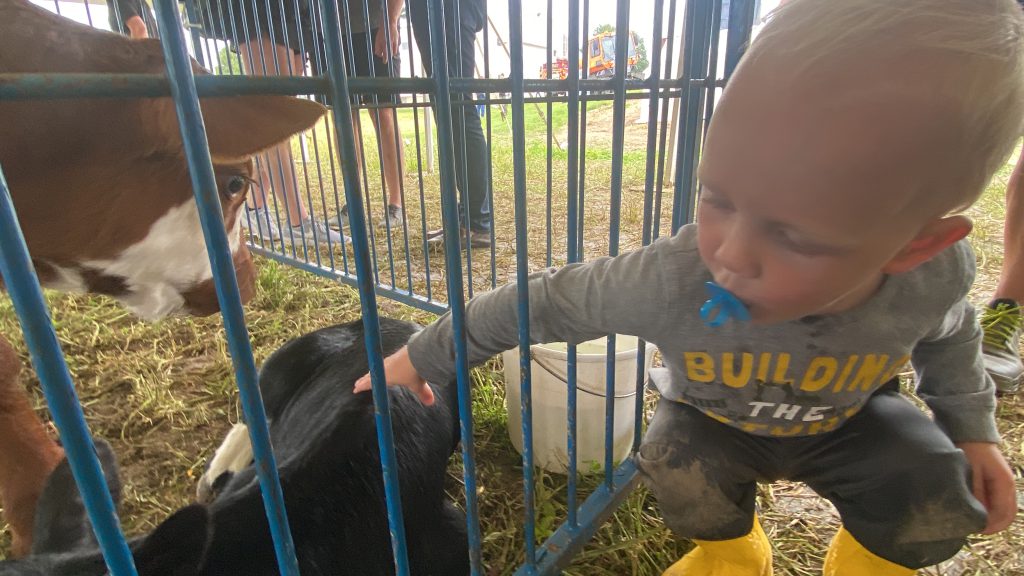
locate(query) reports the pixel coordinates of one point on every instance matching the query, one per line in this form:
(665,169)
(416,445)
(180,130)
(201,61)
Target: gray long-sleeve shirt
(795,378)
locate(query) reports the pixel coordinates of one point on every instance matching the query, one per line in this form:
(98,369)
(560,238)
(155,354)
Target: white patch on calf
(233,454)
(170,260)
(235,234)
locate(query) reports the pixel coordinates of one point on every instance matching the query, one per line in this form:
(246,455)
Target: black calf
(326,447)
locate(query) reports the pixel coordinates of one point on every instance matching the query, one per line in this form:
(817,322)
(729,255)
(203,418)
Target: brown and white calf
(103,196)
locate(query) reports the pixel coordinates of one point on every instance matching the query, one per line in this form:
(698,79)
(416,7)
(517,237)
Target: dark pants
(899,484)
(472,162)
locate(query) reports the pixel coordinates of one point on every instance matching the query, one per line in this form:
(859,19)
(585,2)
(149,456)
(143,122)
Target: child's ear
(933,238)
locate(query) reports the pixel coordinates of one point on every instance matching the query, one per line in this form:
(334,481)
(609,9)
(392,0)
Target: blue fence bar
(453,261)
(515,10)
(650,171)
(572,243)
(695,53)
(550,72)
(204,185)
(368,303)
(490,140)
(623,40)
(61,86)
(741,21)
(20,278)
(664,129)
(582,167)
(711,76)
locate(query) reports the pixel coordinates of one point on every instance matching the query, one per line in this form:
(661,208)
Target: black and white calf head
(325,444)
(64,544)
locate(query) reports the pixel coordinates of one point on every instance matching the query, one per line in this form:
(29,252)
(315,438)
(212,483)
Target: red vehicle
(560,67)
(600,59)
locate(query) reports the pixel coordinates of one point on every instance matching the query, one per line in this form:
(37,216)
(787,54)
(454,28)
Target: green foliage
(228,62)
(642,63)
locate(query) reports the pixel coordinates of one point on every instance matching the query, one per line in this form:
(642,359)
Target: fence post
(204,185)
(23,285)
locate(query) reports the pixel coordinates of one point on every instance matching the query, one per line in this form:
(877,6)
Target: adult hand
(381,47)
(992,483)
(399,371)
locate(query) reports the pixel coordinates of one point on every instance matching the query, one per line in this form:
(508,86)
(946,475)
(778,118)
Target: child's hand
(993,483)
(399,371)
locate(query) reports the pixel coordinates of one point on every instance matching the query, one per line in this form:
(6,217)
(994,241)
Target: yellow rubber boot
(846,557)
(749,555)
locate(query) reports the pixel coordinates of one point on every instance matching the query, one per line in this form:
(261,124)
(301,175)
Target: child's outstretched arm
(399,371)
(636,293)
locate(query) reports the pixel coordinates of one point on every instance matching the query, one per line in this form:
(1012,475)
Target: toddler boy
(836,162)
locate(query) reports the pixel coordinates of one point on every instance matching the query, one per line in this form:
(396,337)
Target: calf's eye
(236,185)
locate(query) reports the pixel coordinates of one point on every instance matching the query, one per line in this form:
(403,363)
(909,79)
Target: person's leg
(900,485)
(392,173)
(472,155)
(385,128)
(1011,281)
(417,10)
(472,170)
(277,171)
(383,118)
(1001,319)
(263,58)
(357,132)
(390,151)
(703,474)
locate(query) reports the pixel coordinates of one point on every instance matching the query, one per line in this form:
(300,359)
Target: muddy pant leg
(702,472)
(901,487)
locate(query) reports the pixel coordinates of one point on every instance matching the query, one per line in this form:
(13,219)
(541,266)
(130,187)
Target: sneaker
(315,231)
(395,217)
(344,217)
(477,238)
(261,224)
(1001,322)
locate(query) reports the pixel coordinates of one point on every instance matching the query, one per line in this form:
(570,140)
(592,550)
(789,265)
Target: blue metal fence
(382,264)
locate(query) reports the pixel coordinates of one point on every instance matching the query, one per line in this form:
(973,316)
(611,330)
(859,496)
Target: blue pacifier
(722,306)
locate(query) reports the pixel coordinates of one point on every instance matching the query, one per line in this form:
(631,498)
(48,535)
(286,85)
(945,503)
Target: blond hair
(980,44)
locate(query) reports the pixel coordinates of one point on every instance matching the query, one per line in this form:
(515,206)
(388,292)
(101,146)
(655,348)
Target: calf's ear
(178,546)
(61,523)
(236,127)
(241,126)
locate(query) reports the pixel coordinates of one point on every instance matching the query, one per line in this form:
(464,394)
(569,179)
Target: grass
(163,393)
(423,209)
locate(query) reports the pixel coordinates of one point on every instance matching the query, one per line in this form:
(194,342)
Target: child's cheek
(707,238)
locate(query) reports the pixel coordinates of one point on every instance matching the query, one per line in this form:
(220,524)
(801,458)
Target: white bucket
(550,402)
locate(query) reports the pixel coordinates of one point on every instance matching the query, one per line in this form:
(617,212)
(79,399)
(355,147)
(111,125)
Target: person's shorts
(240,22)
(360,61)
